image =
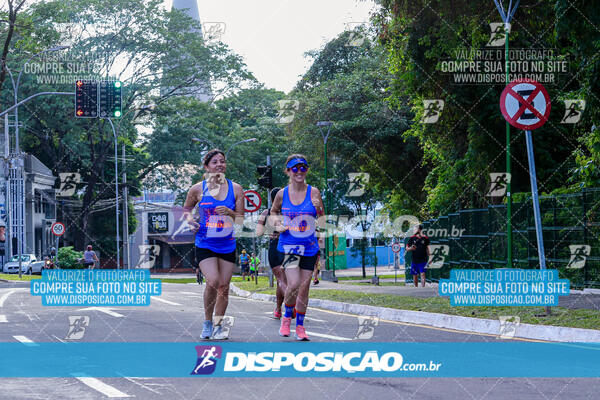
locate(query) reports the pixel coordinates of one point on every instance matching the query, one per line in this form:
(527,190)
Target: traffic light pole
(269,204)
(327,206)
(116,189)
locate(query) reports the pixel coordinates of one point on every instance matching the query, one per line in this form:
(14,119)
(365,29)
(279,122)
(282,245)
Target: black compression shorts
(203,254)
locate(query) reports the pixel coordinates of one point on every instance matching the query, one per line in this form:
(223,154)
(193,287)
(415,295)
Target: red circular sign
(252,201)
(58,229)
(396,247)
(525,104)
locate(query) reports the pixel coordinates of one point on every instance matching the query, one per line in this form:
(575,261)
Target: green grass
(15,277)
(261,287)
(193,280)
(175,280)
(399,283)
(579,318)
(360,278)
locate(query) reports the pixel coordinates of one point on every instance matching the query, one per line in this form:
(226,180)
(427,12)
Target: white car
(28,265)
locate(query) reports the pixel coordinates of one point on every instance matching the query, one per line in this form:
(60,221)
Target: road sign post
(396,249)
(525,104)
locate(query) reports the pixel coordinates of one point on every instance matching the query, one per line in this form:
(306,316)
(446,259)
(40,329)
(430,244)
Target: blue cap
(296,161)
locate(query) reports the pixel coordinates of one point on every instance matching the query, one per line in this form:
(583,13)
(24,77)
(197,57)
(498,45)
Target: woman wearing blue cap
(298,205)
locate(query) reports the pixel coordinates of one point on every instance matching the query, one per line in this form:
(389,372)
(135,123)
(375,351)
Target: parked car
(29,265)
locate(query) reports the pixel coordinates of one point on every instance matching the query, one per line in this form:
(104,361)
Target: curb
(477,325)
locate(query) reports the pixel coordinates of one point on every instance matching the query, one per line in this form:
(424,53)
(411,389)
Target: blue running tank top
(300,220)
(216,231)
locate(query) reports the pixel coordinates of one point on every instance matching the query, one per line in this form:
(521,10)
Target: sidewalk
(576,300)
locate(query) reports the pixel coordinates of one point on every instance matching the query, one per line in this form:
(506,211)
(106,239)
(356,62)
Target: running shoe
(207,330)
(277,314)
(301,334)
(285,326)
(220,333)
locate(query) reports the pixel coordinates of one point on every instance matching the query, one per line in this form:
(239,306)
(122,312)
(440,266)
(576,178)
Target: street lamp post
(506,16)
(116,133)
(19,173)
(325,136)
(240,142)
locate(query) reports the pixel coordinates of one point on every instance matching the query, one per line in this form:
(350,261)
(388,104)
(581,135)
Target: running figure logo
(508,326)
(366,327)
(438,255)
(579,254)
(499,30)
(214,181)
(500,181)
(292,255)
(213,31)
(207,359)
(287,111)
(148,255)
(358,181)
(573,111)
(77,325)
(432,111)
(356,35)
(68,183)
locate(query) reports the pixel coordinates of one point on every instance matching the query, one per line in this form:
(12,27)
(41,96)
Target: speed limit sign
(58,229)
(396,247)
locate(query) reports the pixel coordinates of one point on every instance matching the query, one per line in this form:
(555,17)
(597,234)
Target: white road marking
(100,386)
(31,317)
(306,319)
(59,339)
(5,295)
(141,384)
(25,340)
(191,293)
(105,310)
(166,301)
(3,318)
(323,335)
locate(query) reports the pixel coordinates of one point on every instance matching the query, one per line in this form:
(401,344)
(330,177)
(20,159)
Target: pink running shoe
(285,326)
(277,314)
(301,333)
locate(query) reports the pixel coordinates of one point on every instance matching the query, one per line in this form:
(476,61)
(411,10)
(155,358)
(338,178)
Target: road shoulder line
(455,322)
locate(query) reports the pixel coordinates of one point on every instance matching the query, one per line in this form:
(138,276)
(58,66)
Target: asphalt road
(177,317)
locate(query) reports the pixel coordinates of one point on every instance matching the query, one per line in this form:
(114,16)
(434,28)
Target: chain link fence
(476,238)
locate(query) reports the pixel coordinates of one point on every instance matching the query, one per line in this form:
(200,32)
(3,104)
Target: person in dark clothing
(419,245)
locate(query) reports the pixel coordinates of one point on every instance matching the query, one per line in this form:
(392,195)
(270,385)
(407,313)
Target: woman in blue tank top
(219,204)
(298,206)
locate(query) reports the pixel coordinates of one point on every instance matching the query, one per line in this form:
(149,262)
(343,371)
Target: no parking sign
(525,104)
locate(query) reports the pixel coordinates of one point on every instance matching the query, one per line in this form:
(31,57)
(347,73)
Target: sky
(273,35)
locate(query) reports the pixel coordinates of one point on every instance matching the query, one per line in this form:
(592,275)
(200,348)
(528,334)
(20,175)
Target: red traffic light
(79,83)
(79,112)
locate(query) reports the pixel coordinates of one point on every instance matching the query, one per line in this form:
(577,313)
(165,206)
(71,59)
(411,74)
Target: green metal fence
(476,238)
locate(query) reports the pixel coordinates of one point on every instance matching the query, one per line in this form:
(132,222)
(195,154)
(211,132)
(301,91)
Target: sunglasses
(302,168)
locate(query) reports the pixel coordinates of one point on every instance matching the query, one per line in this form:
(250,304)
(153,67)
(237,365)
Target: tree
(468,143)
(133,42)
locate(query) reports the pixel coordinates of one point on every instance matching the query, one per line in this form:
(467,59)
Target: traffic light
(86,99)
(265,173)
(110,99)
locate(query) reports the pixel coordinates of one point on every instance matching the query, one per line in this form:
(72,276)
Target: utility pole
(269,207)
(125,213)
